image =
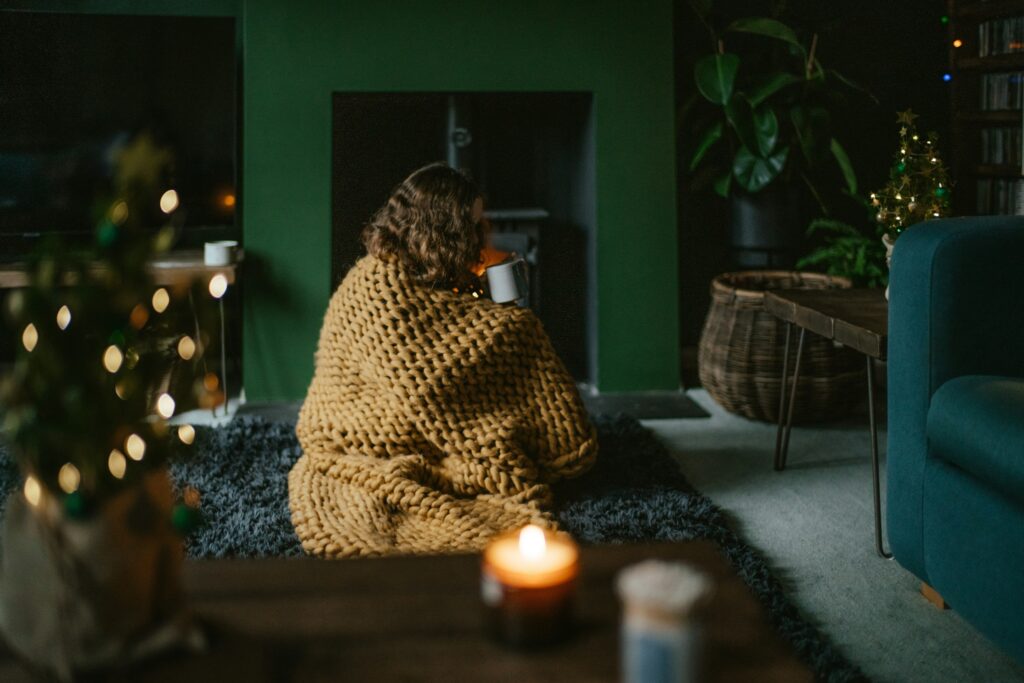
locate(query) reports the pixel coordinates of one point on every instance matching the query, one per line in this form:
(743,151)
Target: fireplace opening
(532,154)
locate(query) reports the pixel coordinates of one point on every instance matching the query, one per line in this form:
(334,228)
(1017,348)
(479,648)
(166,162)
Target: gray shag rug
(634,493)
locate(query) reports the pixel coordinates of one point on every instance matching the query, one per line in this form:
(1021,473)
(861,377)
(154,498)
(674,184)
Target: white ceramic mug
(508,282)
(221,253)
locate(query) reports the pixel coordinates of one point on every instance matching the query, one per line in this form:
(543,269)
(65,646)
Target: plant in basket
(93,546)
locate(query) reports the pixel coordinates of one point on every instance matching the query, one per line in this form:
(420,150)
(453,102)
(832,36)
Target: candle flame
(532,543)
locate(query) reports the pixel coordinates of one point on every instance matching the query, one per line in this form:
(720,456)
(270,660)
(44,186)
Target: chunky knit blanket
(434,421)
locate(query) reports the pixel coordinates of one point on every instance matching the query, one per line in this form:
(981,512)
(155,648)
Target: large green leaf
(812,125)
(753,173)
(757,129)
(844,165)
(741,117)
(716,76)
(854,85)
(771,85)
(706,142)
(702,8)
(723,185)
(766,126)
(769,28)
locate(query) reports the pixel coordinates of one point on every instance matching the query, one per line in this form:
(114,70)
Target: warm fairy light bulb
(169,201)
(914,138)
(30,337)
(958,43)
(138,317)
(161,299)
(63,317)
(165,405)
(112,359)
(532,544)
(186,348)
(135,446)
(33,491)
(218,285)
(187,434)
(899,196)
(119,212)
(117,464)
(68,478)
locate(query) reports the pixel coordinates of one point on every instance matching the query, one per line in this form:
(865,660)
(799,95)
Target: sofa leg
(933,596)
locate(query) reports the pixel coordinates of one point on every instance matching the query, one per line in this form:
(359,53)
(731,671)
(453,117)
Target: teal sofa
(955,505)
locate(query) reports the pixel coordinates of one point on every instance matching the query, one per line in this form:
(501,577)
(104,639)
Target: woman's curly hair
(427,226)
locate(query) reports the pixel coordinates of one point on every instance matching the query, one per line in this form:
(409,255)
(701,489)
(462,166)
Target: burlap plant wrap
(433,422)
(98,593)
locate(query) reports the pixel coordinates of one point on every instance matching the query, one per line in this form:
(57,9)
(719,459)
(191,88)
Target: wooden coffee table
(857,318)
(420,619)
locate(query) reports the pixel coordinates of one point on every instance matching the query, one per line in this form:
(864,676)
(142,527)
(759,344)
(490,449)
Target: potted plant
(917,190)
(92,547)
(763,132)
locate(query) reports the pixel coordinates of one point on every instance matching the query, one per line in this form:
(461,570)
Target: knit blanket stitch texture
(433,422)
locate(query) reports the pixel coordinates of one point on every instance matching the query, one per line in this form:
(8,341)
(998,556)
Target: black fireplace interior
(531,153)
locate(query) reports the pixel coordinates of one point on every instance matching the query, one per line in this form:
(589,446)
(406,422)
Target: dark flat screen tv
(77,89)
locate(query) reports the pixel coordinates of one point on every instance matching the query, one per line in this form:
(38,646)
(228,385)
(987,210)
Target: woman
(435,419)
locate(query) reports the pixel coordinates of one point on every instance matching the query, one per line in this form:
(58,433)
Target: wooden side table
(419,618)
(857,318)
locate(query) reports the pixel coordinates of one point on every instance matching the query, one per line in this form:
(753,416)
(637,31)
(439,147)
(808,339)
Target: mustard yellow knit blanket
(434,421)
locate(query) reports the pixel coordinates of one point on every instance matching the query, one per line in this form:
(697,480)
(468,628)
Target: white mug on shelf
(220,253)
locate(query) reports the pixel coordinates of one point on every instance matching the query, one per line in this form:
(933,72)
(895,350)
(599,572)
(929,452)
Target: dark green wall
(297,53)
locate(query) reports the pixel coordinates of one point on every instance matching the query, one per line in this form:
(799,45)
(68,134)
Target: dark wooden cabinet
(986,67)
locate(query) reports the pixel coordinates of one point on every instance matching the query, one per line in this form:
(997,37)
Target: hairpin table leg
(782,396)
(879,545)
(780,455)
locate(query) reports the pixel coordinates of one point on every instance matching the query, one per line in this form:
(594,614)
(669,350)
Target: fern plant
(847,251)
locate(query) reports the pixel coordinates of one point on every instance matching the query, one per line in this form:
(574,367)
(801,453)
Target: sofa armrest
(956,307)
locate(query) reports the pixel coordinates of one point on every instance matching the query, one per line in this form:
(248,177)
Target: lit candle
(527,585)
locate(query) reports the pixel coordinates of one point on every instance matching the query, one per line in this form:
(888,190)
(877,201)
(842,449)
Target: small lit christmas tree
(106,357)
(918,187)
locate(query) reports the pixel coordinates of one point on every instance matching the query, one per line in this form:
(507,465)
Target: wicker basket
(741,352)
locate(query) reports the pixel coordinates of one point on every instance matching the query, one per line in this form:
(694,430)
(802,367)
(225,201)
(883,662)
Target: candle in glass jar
(527,584)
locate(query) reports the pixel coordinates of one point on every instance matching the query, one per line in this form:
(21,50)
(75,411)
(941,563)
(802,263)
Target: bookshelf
(987,101)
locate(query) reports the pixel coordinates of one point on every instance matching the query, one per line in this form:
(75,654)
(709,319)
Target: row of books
(1001,91)
(1000,36)
(1000,145)
(1001,196)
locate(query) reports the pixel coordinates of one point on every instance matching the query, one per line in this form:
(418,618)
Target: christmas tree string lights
(106,357)
(918,186)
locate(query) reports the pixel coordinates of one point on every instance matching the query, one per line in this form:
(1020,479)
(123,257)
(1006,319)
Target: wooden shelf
(1001,116)
(983,11)
(996,170)
(1011,61)
(966,118)
(174,268)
